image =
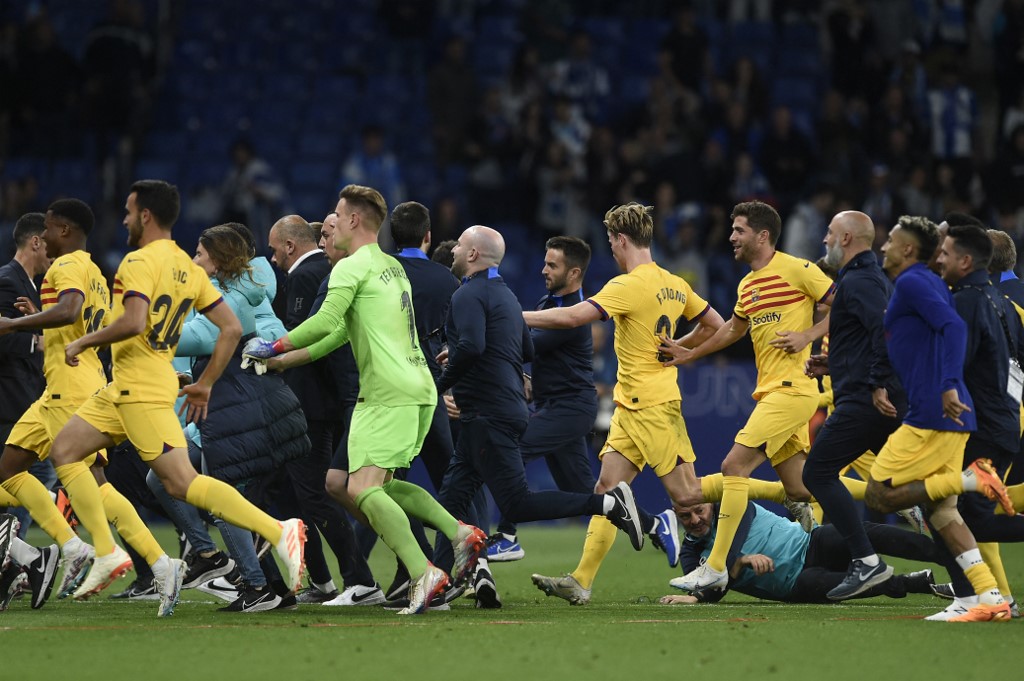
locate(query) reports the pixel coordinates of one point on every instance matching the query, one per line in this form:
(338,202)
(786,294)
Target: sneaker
(984,613)
(943,590)
(703,578)
(288,602)
(253,599)
(359,595)
(63,504)
(41,573)
(802,513)
(399,588)
(8,531)
(168,575)
(202,569)
(140,590)
(625,515)
(915,518)
(565,587)
(666,535)
(311,595)
(484,588)
(920,582)
(227,588)
(290,549)
(76,560)
(433,580)
(105,569)
(439,602)
(859,578)
(11,580)
(990,485)
(261,546)
(501,549)
(468,544)
(1014,610)
(954,609)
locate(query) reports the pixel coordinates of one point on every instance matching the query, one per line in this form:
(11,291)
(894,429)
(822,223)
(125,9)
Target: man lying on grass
(774,559)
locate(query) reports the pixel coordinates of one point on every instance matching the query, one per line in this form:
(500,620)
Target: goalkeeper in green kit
(369,304)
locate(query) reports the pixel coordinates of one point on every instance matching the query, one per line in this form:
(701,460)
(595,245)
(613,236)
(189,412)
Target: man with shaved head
(487,344)
(869,401)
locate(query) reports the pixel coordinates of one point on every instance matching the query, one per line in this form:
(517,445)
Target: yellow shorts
(916,453)
(778,425)
(39,425)
(655,436)
(153,428)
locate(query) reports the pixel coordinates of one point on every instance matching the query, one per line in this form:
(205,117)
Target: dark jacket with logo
(21,363)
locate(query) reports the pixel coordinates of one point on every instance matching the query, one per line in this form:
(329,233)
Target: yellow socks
(730,513)
(711,488)
(85,497)
(225,502)
(33,496)
(855,487)
(990,553)
(122,515)
(600,537)
(940,487)
(7,500)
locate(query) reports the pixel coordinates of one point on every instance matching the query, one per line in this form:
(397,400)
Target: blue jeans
(186,517)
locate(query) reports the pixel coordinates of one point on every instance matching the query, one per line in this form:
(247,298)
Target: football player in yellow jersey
(75,301)
(776,304)
(647,427)
(154,289)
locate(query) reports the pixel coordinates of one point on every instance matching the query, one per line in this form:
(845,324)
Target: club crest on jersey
(298,305)
(755,295)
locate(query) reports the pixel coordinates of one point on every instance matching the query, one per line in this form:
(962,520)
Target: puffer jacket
(253,425)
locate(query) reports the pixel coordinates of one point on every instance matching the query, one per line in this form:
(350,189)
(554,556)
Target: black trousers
(828,558)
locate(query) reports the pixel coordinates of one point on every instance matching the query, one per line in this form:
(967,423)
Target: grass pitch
(623,634)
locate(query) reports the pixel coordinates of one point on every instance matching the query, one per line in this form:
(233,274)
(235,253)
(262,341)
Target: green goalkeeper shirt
(369,303)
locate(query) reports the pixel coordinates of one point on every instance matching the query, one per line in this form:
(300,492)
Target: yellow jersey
(646,303)
(164,276)
(781,296)
(74,273)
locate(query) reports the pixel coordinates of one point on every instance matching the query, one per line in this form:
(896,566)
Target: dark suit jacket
(314,383)
(21,369)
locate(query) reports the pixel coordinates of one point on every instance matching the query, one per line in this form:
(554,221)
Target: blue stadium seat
(158,169)
(313,176)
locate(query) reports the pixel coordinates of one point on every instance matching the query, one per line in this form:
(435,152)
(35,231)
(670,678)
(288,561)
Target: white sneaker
(168,576)
(76,557)
(291,550)
(358,595)
(222,588)
(957,608)
(105,569)
(701,579)
(423,590)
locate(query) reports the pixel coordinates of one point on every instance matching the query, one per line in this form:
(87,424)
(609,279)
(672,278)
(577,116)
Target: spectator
(787,158)
(523,85)
(371,165)
(687,46)
(953,111)
(451,96)
(806,226)
(580,79)
(251,193)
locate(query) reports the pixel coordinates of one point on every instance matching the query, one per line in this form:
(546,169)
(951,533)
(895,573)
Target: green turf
(623,634)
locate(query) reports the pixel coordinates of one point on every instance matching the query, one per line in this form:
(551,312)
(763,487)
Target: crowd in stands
(531,115)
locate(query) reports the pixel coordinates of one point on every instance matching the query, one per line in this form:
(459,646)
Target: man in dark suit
(21,353)
(295,252)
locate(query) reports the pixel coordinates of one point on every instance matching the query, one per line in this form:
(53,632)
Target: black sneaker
(203,569)
(312,594)
(920,582)
(8,587)
(41,574)
(253,599)
(859,578)
(484,588)
(8,531)
(399,588)
(625,515)
(287,602)
(140,590)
